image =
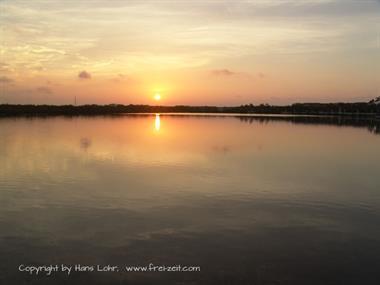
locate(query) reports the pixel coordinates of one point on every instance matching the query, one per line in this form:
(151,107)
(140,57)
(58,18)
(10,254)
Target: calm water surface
(250,201)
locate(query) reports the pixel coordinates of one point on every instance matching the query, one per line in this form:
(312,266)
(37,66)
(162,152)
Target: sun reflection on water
(157,122)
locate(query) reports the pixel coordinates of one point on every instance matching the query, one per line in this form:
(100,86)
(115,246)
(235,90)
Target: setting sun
(157,97)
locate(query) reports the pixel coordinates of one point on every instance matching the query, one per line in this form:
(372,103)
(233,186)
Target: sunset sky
(189,52)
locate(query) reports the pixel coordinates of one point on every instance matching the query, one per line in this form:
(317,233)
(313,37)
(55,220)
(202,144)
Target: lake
(239,199)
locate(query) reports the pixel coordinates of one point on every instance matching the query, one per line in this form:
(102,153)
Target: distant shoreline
(371,121)
(319,109)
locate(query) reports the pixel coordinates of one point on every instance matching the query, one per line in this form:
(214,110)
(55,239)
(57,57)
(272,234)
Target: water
(251,200)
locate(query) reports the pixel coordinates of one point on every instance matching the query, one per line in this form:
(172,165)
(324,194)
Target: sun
(157,97)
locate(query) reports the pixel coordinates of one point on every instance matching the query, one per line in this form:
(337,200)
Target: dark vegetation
(371,123)
(345,109)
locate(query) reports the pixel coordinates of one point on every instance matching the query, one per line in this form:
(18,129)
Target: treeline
(369,109)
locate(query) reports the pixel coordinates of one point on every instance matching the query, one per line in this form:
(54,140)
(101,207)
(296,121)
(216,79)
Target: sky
(189,52)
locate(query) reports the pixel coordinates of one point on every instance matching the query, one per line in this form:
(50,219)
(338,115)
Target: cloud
(4,67)
(229,73)
(119,78)
(6,80)
(84,75)
(44,90)
(223,72)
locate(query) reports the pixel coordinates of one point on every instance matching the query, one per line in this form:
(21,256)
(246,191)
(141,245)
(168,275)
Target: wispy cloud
(44,90)
(5,79)
(119,78)
(223,72)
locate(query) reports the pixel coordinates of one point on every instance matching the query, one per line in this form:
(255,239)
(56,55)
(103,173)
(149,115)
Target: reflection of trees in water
(85,143)
(372,124)
(374,129)
(221,148)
